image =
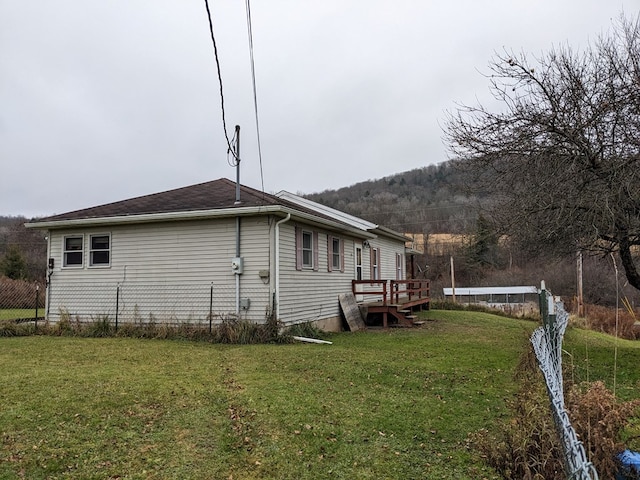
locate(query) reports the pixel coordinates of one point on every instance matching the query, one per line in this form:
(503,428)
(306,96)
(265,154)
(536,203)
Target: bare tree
(561,161)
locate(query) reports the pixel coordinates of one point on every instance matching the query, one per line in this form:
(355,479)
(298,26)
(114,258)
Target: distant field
(395,404)
(14,313)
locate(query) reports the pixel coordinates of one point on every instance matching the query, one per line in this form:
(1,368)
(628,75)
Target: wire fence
(547,344)
(134,303)
(21,300)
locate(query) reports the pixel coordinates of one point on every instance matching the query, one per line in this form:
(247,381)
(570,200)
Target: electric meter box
(237,265)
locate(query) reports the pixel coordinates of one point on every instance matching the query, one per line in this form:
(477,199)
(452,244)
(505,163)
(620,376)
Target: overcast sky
(106,100)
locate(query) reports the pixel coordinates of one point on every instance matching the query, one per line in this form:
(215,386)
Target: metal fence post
(117,304)
(211,308)
(36,317)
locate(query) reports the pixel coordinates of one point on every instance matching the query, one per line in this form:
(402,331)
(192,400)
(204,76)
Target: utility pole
(237,162)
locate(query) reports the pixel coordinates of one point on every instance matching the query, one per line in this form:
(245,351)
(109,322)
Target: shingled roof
(217,194)
(205,200)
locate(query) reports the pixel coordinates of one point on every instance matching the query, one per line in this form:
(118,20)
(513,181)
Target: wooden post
(453,282)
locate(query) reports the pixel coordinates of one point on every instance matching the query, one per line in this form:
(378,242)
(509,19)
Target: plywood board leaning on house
(351,311)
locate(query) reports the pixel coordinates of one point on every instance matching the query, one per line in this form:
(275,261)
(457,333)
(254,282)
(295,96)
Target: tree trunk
(630,268)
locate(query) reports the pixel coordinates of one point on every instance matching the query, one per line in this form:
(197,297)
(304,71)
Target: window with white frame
(100,250)
(358,263)
(335,254)
(375,264)
(73,253)
(399,265)
(307,249)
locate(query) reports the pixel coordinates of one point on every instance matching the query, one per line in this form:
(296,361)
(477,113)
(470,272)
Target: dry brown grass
(603,319)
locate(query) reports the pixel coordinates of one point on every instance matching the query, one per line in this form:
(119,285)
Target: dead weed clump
(599,419)
(603,319)
(526,445)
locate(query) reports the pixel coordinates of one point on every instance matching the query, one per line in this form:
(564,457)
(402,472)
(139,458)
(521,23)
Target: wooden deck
(394,300)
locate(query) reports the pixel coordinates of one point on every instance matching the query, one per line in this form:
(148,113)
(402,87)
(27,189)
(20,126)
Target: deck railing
(391,291)
(413,289)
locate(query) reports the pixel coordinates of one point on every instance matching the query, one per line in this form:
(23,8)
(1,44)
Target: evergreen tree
(13,264)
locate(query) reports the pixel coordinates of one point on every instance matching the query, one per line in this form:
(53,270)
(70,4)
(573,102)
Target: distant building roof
(470,291)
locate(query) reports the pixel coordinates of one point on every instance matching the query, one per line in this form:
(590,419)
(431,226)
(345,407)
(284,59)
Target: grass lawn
(376,405)
(15,313)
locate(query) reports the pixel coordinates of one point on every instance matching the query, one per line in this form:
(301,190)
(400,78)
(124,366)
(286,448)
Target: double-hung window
(375,264)
(100,250)
(73,253)
(306,249)
(335,254)
(399,265)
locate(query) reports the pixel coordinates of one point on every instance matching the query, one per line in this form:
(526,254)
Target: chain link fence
(21,300)
(547,344)
(135,303)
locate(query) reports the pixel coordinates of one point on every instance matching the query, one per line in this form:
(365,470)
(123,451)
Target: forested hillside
(433,201)
(425,200)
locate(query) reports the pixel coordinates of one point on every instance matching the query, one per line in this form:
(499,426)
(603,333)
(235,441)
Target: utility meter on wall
(237,265)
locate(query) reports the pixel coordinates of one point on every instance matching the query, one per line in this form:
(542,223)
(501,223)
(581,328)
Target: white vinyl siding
(307,295)
(155,257)
(159,262)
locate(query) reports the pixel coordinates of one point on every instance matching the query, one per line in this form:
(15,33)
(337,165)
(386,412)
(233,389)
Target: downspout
(50,267)
(237,274)
(285,219)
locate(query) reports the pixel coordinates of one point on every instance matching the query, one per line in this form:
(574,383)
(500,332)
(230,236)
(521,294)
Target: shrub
(9,328)
(99,327)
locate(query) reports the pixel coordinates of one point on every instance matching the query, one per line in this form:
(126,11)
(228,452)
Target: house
(207,251)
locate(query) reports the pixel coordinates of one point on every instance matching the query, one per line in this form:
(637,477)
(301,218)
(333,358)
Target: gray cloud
(103,101)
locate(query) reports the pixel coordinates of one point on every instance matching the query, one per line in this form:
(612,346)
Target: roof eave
(155,217)
(199,215)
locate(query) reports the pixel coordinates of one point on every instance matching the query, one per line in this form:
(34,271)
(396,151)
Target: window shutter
(298,248)
(315,251)
(342,255)
(329,253)
(379,263)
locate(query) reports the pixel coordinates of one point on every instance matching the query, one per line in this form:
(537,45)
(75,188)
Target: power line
(255,95)
(215,53)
